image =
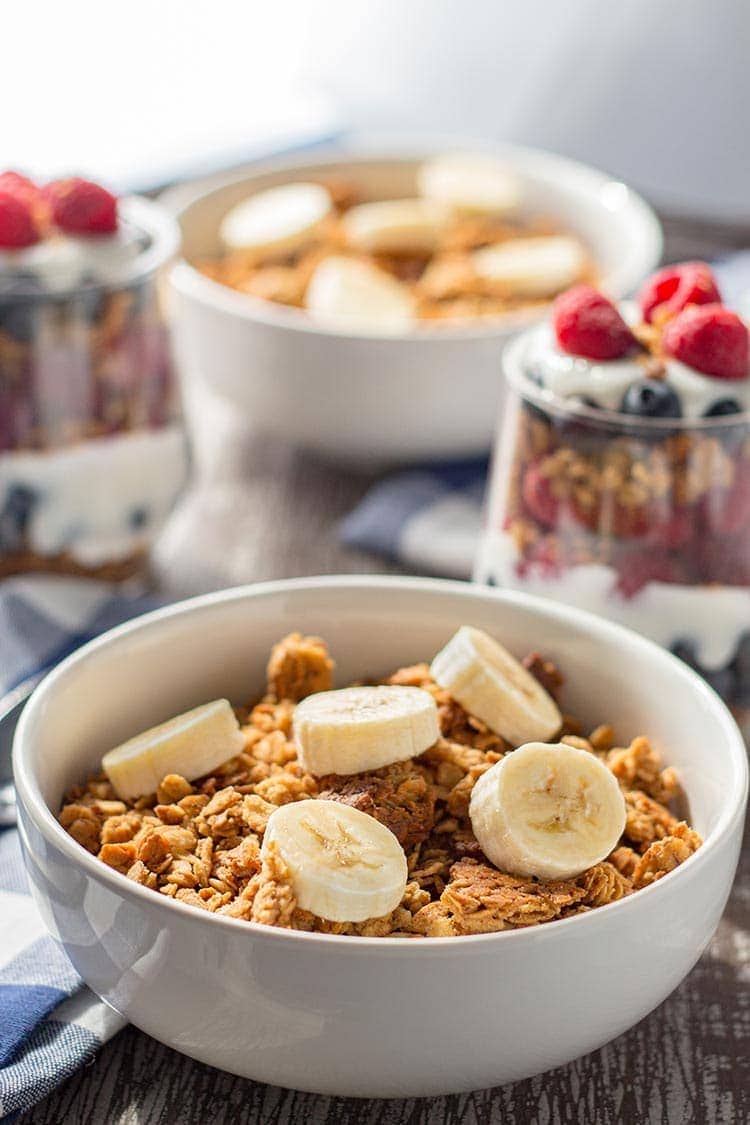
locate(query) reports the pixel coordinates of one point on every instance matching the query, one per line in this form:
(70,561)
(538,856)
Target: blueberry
(14,517)
(651,398)
(19,320)
(138,518)
(723,406)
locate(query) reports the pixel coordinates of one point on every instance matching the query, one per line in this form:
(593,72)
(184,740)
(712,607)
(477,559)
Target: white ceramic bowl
(376,399)
(374,1017)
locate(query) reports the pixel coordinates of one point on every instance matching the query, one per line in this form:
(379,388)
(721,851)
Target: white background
(655,91)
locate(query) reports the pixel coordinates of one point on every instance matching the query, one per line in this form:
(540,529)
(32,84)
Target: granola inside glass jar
(640,514)
(92,450)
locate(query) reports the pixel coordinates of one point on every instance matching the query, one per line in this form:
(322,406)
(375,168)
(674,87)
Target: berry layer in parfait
(621,478)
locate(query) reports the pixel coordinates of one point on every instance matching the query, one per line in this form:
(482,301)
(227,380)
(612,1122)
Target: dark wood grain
(685,1064)
(266,511)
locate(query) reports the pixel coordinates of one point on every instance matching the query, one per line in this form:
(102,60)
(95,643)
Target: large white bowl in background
(371,399)
(375,1017)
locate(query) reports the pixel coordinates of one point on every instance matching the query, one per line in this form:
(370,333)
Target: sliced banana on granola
(550,811)
(530,267)
(490,684)
(395,226)
(191,745)
(363,728)
(345,866)
(472,183)
(277,221)
(347,292)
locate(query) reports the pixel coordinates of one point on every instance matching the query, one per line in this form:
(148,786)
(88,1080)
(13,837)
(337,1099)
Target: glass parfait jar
(92,449)
(644,521)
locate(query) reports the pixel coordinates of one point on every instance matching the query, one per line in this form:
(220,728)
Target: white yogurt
(713,618)
(605,382)
(64,262)
(101,500)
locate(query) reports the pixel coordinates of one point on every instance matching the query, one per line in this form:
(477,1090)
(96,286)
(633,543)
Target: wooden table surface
(265,511)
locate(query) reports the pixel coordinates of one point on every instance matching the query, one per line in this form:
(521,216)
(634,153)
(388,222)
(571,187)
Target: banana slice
(276,221)
(547,810)
(395,226)
(363,728)
(357,294)
(474,184)
(191,745)
(530,267)
(345,865)
(490,684)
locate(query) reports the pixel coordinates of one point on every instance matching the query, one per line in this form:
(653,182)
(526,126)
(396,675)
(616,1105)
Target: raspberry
(639,568)
(631,522)
(727,510)
(725,561)
(709,338)
(675,531)
(82,207)
(674,287)
(589,325)
(18,185)
(18,225)
(542,504)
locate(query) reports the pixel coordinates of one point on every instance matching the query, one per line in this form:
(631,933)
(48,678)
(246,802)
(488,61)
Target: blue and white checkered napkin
(429,519)
(50,1023)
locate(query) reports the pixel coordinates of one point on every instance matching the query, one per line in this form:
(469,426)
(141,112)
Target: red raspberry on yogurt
(709,338)
(20,186)
(673,288)
(82,207)
(18,223)
(587,324)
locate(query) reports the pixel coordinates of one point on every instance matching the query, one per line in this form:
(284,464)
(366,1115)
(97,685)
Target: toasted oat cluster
(442,282)
(200,841)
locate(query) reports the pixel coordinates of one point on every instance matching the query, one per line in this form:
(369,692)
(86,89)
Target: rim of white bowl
(45,821)
(644,231)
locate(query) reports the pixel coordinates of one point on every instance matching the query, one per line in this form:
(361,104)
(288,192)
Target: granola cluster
(200,842)
(443,283)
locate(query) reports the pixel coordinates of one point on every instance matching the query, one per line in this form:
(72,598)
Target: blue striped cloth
(50,1023)
(429,519)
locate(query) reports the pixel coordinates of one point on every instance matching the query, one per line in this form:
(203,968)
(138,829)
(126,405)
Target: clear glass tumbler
(92,449)
(643,521)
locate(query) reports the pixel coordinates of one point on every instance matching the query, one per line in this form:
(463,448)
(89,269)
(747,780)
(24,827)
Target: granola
(201,842)
(441,279)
